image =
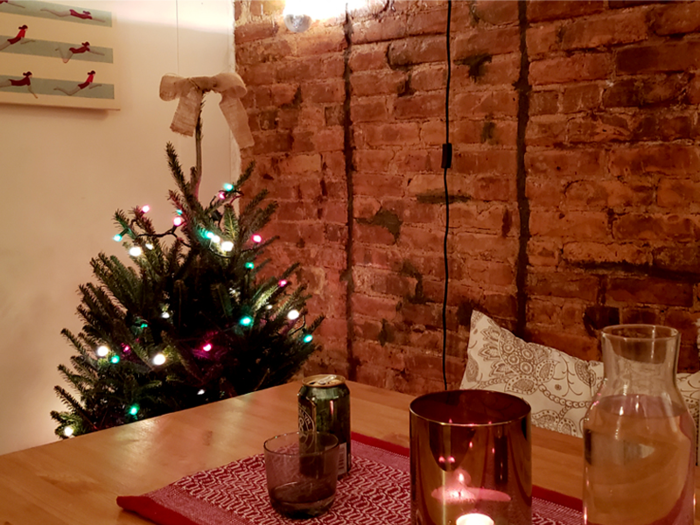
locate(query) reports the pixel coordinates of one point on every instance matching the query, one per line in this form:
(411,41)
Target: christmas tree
(190,319)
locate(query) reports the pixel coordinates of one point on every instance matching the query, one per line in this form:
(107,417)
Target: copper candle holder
(470,459)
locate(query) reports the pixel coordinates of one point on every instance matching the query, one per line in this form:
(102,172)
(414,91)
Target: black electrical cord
(446,164)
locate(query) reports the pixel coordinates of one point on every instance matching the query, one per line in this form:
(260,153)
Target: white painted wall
(63,173)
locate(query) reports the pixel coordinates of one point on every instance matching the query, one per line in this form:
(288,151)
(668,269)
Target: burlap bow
(191,90)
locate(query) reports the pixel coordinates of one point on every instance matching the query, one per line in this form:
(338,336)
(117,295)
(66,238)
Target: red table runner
(376,492)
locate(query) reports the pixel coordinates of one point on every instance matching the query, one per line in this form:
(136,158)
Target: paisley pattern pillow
(558,387)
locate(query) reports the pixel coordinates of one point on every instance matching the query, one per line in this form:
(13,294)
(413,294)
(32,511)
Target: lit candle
(474,519)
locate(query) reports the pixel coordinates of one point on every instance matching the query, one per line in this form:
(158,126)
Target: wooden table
(76,482)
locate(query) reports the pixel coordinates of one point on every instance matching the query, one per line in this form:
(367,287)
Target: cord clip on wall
(446,156)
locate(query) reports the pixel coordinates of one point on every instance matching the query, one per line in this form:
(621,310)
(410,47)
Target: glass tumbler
(639,437)
(302,472)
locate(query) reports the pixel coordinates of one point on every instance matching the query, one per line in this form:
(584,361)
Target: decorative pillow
(558,387)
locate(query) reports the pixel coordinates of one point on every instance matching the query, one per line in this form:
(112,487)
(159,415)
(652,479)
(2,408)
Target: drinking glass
(302,472)
(639,437)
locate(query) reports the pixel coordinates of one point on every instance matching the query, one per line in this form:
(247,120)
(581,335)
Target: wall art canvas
(57,55)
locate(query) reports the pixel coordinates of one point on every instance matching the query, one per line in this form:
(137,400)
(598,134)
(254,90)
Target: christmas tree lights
(192,318)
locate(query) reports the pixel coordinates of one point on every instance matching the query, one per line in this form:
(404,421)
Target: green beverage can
(324,406)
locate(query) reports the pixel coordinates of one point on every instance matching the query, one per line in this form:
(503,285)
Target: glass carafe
(639,464)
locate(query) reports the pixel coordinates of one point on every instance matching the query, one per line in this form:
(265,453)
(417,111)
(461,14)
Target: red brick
(548,130)
(378,83)
(375,307)
(667,159)
(676,18)
(330,40)
(496,12)
(663,127)
(323,92)
(420,106)
(582,97)
(656,227)
(270,50)
(491,42)
(413,160)
(369,110)
(428,78)
(494,103)
(601,195)
(605,30)
(489,161)
(636,92)
(483,132)
(671,56)
(649,290)
(416,50)
(486,246)
(373,184)
(387,134)
(329,139)
(554,9)
(379,30)
(428,22)
(544,102)
(678,194)
(580,346)
(368,57)
(598,128)
(589,66)
(544,192)
(413,238)
(563,284)
(543,39)
(501,70)
(300,164)
(373,160)
(479,218)
(568,164)
(268,142)
(544,252)
(282,94)
(255,31)
(598,252)
(257,74)
(577,225)
(676,257)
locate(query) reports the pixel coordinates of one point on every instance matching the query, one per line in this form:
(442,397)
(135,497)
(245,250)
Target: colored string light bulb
(165,315)
(216,239)
(134,409)
(114,359)
(146,208)
(117,237)
(207,347)
(102,351)
(246,320)
(282,283)
(228,186)
(135,251)
(222,195)
(201,391)
(208,234)
(249,265)
(68,431)
(177,221)
(126,349)
(293,314)
(159,359)
(149,246)
(256,238)
(227,246)
(308,338)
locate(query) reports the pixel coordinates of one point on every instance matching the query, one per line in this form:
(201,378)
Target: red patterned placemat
(376,492)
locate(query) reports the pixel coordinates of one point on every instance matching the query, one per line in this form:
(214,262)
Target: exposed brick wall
(575,184)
